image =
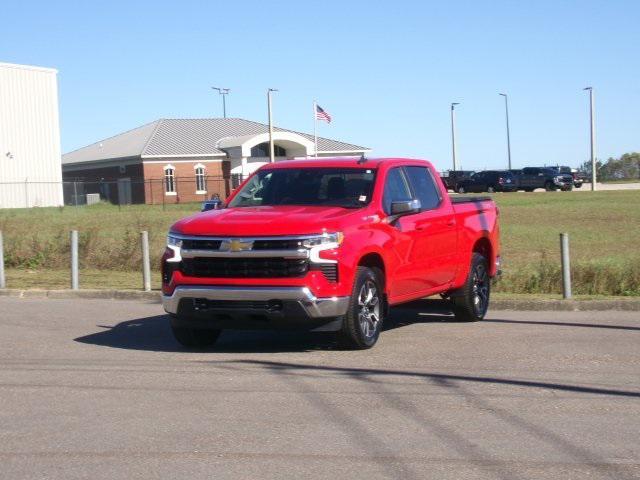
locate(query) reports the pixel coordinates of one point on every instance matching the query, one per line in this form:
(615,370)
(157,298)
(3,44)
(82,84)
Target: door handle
(451,223)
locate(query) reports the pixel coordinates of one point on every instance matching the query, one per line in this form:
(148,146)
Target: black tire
(195,337)
(491,189)
(471,302)
(549,187)
(461,189)
(362,324)
(528,189)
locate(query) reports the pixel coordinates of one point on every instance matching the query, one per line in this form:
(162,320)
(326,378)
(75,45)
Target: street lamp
(224,92)
(593,139)
(453,134)
(506,110)
(271,153)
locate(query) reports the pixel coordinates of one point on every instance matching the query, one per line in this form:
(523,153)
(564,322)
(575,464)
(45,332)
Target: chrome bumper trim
(315,307)
(192,253)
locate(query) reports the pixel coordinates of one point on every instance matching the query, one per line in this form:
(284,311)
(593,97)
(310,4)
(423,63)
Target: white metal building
(30,157)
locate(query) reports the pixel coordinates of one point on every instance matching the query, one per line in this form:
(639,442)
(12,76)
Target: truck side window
(396,189)
(424,187)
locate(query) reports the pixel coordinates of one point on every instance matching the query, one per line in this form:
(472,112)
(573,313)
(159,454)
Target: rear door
(434,249)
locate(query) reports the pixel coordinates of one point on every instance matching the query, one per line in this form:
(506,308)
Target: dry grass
(603,228)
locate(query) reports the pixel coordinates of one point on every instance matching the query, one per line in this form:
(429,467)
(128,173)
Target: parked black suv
(544,177)
(453,177)
(489,181)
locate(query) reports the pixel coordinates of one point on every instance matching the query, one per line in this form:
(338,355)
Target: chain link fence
(120,191)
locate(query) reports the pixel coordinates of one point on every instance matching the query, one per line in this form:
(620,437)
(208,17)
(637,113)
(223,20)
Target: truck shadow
(154,334)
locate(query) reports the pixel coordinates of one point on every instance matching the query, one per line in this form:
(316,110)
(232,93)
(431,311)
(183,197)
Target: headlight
(174,241)
(324,239)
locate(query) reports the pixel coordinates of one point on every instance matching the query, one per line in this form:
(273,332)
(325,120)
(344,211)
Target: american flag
(322,115)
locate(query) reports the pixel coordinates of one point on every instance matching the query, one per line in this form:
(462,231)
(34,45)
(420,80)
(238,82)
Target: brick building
(184,160)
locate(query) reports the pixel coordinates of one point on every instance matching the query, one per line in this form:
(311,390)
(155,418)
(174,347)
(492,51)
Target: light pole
(506,110)
(453,134)
(271,154)
(593,139)
(224,92)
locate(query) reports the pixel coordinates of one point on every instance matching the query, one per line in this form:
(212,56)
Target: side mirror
(405,207)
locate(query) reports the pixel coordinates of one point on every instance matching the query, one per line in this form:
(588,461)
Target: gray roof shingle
(185,136)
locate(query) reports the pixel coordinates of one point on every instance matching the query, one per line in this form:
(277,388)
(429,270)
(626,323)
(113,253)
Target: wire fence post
(566,266)
(74,260)
(3,281)
(146,266)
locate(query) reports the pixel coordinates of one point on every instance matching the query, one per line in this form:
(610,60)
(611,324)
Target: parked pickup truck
(329,245)
(548,178)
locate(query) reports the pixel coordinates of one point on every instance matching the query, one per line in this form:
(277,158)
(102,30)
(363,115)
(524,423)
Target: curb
(153,297)
(520,304)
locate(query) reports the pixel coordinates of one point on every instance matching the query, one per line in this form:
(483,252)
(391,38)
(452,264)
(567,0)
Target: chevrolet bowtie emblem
(236,245)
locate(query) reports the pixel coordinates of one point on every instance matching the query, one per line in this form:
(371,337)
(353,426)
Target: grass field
(603,227)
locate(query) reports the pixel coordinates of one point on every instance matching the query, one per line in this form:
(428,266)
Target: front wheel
(491,189)
(549,187)
(471,302)
(195,337)
(363,322)
(461,189)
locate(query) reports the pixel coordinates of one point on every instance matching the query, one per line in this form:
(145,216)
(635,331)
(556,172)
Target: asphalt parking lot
(98,389)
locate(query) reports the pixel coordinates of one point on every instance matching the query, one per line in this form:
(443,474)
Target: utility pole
(593,139)
(271,149)
(506,110)
(453,134)
(224,92)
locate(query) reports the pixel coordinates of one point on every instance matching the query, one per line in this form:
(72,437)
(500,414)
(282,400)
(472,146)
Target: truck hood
(266,221)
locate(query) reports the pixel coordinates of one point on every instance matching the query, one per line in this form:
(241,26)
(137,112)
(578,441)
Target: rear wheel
(461,189)
(528,189)
(491,189)
(363,322)
(471,302)
(195,337)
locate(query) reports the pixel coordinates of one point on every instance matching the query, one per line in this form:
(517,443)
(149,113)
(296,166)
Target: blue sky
(386,71)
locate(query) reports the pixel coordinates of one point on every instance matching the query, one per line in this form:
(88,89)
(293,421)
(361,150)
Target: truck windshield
(339,187)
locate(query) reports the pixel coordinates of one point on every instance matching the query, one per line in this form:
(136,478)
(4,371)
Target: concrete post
(146,266)
(3,282)
(566,266)
(74,260)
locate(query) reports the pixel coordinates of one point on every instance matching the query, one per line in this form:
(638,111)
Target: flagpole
(315,129)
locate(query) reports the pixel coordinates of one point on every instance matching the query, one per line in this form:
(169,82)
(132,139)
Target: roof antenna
(363,159)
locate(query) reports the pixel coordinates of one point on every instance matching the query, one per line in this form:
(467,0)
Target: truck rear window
(340,187)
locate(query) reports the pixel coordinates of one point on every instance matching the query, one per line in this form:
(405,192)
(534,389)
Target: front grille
(330,271)
(245,267)
(192,244)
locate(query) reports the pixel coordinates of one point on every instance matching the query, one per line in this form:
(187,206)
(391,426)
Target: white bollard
(74,260)
(566,265)
(146,266)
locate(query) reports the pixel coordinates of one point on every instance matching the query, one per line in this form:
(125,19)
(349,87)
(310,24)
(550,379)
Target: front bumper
(309,305)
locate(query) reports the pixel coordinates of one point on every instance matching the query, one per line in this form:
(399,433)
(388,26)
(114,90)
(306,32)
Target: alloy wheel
(369,309)
(480,290)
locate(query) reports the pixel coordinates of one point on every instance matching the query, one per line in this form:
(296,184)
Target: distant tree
(625,167)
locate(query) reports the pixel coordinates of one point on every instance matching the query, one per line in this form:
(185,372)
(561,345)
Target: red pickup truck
(329,245)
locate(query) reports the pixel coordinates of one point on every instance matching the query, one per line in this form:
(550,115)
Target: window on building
(201,180)
(169,180)
(262,150)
